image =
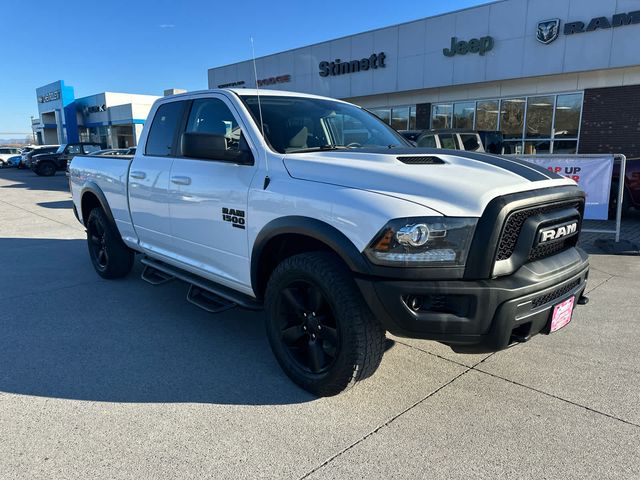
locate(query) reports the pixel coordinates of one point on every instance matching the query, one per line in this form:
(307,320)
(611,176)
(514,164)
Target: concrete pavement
(120,379)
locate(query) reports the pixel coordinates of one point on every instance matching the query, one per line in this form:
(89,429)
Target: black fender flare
(92,187)
(310,227)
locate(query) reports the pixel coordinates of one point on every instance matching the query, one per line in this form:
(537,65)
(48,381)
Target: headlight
(424,241)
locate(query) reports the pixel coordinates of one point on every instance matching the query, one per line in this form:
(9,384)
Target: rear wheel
(111,258)
(46,169)
(321,332)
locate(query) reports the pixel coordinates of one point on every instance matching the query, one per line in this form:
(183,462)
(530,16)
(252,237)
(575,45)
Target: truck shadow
(26,179)
(68,334)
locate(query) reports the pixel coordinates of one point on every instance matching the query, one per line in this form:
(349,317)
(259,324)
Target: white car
(320,213)
(6,153)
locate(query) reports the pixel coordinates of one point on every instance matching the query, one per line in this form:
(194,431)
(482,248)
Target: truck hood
(455,183)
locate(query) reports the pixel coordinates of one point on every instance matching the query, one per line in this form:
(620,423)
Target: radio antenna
(267,180)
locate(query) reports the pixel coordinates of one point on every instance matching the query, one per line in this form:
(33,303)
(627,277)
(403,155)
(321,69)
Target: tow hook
(583,300)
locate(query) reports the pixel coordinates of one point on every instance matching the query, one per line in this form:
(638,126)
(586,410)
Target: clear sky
(145,46)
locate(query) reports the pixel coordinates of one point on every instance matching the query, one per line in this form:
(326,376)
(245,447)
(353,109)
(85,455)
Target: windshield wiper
(321,148)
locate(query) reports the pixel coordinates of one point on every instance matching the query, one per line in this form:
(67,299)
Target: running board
(208,301)
(155,277)
(204,293)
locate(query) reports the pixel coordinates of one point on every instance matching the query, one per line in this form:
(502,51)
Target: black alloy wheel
(98,244)
(46,169)
(321,331)
(308,327)
(110,257)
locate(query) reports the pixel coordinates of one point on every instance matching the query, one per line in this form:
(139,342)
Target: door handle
(138,175)
(179,180)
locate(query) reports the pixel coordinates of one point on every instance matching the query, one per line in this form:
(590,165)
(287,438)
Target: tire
(109,255)
(46,169)
(320,330)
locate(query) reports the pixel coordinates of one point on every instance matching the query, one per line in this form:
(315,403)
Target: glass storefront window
(441,115)
(382,113)
(463,115)
(539,116)
(512,147)
(512,117)
(537,148)
(400,118)
(565,146)
(487,115)
(568,109)
(412,118)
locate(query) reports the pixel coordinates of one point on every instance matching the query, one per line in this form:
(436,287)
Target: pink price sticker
(562,314)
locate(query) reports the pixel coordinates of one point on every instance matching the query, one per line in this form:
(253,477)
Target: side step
(154,276)
(204,293)
(208,301)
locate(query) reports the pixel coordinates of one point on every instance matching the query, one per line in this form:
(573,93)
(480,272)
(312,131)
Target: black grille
(515,221)
(424,160)
(555,294)
(548,249)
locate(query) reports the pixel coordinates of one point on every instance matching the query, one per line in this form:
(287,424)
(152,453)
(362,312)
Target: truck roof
(244,92)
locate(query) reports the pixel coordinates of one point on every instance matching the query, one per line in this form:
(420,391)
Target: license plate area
(562,314)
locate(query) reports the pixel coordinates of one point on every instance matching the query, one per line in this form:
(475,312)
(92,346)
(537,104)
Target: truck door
(149,179)
(209,199)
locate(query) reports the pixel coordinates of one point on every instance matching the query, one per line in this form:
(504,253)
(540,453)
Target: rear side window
(427,141)
(447,140)
(163,129)
(470,142)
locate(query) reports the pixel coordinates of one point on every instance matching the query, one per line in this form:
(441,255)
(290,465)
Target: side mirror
(209,146)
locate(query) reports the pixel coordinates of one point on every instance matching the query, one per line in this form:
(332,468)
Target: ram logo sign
(556,233)
(548,30)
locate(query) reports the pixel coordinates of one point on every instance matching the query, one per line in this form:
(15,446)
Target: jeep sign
(475,45)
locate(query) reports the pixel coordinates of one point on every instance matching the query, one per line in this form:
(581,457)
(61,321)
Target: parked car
(25,158)
(112,151)
(338,240)
(46,164)
(449,139)
(13,161)
(6,153)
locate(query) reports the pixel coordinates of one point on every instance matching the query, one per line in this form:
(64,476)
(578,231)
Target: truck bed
(110,174)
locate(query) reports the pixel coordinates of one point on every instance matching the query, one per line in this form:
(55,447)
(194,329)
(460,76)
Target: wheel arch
(288,236)
(92,196)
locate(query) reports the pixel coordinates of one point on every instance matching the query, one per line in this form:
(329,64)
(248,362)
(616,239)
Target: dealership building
(112,119)
(554,76)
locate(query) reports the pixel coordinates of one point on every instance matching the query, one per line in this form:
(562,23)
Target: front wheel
(46,169)
(111,258)
(322,333)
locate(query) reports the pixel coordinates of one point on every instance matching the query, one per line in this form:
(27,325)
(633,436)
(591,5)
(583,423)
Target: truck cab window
(74,149)
(210,115)
(163,129)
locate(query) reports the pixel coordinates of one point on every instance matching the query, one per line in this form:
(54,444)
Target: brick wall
(611,121)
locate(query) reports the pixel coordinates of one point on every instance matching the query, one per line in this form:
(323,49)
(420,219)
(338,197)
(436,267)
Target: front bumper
(479,315)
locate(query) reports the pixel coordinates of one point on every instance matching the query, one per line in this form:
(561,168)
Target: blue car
(13,161)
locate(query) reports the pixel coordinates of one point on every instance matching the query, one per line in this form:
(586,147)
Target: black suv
(47,164)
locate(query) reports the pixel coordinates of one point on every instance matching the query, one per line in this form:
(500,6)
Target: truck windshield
(301,124)
(61,148)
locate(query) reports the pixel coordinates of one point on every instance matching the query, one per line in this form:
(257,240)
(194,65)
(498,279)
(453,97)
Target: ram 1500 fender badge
(556,233)
(235,217)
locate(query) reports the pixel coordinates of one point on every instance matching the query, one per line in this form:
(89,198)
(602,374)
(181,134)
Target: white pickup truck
(319,213)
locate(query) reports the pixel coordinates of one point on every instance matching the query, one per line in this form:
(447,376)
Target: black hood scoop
(422,160)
